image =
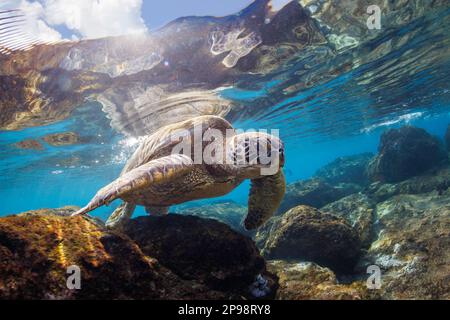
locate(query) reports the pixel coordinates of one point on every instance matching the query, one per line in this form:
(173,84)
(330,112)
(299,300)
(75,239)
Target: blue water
(338,116)
(40,179)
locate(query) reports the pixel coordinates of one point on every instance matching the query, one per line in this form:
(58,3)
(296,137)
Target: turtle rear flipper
(162,170)
(266,194)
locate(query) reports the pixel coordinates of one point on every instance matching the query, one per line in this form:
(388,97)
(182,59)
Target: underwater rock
(309,281)
(62,139)
(436,179)
(29,144)
(230,213)
(404,153)
(306,233)
(263,232)
(314,192)
(351,169)
(199,249)
(38,247)
(412,247)
(358,210)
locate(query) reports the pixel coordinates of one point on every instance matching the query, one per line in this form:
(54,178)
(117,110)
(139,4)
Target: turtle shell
(162,142)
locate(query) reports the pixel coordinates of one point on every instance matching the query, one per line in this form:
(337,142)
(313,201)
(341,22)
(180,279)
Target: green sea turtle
(159,174)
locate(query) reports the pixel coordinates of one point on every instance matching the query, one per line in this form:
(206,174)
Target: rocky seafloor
(390,210)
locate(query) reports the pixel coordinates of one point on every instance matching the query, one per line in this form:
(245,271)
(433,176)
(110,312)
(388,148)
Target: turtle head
(255,154)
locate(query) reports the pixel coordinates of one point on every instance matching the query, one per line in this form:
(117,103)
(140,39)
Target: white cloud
(86,18)
(96,18)
(34,26)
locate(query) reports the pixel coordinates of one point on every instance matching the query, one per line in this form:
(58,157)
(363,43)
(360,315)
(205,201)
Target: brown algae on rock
(38,246)
(308,234)
(309,281)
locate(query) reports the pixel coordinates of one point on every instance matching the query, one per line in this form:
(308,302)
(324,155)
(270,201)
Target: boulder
(314,192)
(309,281)
(307,234)
(351,169)
(38,247)
(412,247)
(404,153)
(209,260)
(358,210)
(198,249)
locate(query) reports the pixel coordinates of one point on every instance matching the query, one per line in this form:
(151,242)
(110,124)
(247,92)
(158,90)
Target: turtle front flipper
(121,215)
(162,170)
(266,194)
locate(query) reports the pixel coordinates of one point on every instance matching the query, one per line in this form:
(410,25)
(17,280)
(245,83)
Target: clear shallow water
(325,104)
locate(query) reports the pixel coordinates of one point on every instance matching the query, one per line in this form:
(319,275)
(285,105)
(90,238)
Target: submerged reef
(404,228)
(37,247)
(305,252)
